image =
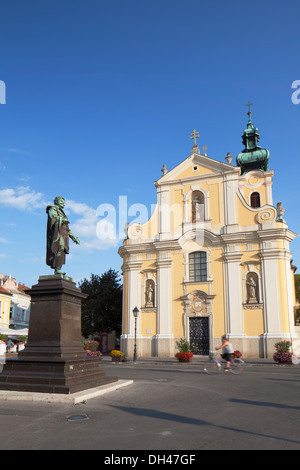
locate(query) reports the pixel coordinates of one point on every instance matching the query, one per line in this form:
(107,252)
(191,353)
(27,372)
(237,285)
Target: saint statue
(197,207)
(58,234)
(149,295)
(251,290)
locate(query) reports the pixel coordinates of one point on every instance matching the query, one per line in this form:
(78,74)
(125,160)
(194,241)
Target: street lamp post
(135,314)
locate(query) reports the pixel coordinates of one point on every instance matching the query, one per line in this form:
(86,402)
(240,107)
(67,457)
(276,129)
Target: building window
(197,267)
(255,199)
(197,206)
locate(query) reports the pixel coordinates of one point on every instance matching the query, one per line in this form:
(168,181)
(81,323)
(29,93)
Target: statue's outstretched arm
(74,238)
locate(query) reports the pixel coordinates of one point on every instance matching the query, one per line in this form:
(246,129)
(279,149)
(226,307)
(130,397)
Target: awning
(11,332)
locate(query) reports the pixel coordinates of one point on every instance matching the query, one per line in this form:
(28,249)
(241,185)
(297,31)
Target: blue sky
(100,94)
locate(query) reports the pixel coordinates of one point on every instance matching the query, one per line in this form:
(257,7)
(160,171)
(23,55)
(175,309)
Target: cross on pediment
(195,135)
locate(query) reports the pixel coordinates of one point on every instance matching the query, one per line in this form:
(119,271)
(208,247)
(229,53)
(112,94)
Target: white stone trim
(164,294)
(249,198)
(270,285)
(233,284)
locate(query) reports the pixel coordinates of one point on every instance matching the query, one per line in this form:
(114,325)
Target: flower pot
(185,360)
(117,358)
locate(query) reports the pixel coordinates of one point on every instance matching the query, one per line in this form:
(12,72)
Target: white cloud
(22,198)
(24,179)
(85,227)
(83,219)
(3,240)
(18,151)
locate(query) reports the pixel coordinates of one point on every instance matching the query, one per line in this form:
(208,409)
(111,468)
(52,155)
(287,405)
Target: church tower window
(255,199)
(198,266)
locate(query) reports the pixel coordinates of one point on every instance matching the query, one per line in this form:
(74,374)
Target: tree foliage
(297,287)
(102,310)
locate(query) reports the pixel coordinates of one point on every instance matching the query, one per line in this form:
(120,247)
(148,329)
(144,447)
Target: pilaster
(235,323)
(164,337)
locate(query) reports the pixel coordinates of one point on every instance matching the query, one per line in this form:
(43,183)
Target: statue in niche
(58,234)
(252,288)
(149,293)
(197,206)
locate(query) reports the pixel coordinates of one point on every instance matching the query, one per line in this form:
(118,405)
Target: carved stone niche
(252,288)
(150,293)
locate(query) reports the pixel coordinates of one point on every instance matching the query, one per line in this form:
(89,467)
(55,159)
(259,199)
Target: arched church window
(255,199)
(198,266)
(197,206)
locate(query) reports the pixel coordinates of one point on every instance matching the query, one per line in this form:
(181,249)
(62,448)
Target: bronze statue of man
(58,234)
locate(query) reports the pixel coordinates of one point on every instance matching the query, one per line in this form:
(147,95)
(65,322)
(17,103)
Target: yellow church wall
(4,310)
(253,322)
(245,216)
(148,323)
(149,264)
(218,305)
(150,228)
(176,209)
(190,172)
(178,292)
(192,286)
(214,204)
(251,255)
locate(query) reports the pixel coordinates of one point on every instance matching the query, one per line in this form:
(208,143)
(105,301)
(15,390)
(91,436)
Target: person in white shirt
(227,351)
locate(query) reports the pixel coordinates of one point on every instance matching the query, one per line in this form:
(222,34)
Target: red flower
(237,354)
(184,356)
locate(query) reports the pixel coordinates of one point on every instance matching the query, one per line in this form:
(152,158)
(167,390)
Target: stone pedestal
(54,360)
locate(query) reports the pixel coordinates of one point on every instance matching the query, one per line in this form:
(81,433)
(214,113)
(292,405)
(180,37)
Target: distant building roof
(4,291)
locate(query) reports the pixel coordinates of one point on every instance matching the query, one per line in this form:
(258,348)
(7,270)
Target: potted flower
(184,356)
(185,352)
(93,353)
(283,354)
(116,355)
(237,354)
(91,348)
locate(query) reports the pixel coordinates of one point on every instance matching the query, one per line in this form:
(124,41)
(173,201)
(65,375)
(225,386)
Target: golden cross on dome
(195,135)
(249,110)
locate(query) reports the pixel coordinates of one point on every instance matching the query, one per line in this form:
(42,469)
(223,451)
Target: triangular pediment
(193,166)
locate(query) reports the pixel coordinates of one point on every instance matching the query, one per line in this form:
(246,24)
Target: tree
(297,287)
(102,310)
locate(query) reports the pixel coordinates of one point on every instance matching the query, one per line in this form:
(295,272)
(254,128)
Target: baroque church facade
(214,258)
